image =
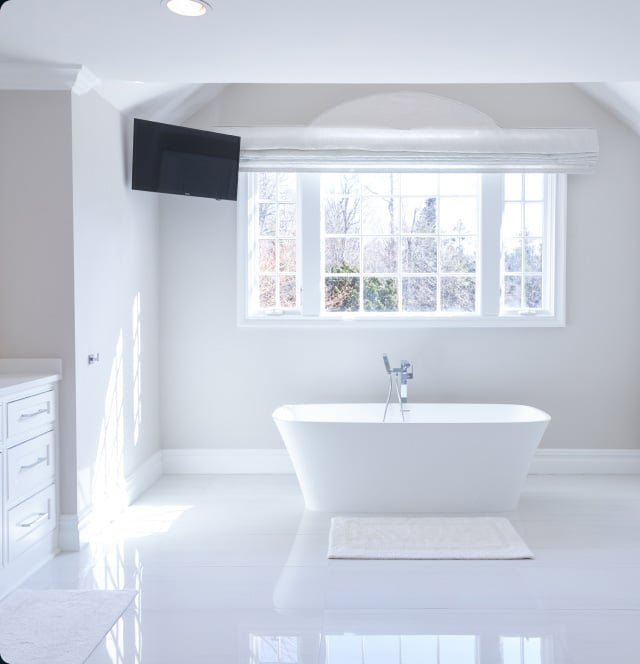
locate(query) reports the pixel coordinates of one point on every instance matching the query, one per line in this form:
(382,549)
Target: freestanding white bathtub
(445,457)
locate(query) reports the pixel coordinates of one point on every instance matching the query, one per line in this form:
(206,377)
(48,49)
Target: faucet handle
(406,368)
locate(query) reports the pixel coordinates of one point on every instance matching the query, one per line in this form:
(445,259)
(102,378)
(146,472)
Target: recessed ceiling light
(188,7)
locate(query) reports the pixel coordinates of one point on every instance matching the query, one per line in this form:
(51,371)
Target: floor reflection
(382,648)
(231,570)
(401,649)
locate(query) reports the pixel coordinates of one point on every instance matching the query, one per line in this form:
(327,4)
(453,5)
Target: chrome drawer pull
(40,516)
(40,411)
(37,462)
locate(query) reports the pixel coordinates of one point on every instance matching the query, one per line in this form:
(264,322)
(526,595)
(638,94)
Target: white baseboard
(585,462)
(68,532)
(75,530)
(226,462)
(143,477)
(277,461)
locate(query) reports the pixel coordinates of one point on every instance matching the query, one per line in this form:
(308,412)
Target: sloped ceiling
(622,99)
(163,102)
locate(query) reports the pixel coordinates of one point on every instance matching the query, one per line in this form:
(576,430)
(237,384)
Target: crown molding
(22,76)
(85,82)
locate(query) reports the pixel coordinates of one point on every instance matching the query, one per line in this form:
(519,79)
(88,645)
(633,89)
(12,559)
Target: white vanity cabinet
(28,447)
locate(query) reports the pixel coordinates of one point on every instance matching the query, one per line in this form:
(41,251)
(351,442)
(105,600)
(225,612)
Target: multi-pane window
(481,248)
(523,240)
(399,242)
(276,241)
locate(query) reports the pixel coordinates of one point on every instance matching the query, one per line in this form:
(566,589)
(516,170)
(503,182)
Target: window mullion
(489,285)
(248,266)
(555,247)
(310,245)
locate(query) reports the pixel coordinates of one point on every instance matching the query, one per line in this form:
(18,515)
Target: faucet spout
(406,372)
(401,375)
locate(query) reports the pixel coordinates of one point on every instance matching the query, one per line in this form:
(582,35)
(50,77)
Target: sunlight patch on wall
(109,491)
(137,368)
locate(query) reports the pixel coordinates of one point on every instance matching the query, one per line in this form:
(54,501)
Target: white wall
(78,250)
(220,383)
(116,303)
(36,248)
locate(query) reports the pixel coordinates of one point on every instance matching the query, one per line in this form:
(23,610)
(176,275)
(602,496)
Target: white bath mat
(57,626)
(416,538)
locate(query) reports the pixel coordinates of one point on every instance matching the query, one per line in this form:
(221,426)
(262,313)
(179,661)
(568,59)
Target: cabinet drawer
(30,465)
(30,413)
(31,520)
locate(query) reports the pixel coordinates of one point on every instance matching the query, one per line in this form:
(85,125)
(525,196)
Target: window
(410,248)
(277,246)
(523,243)
(407,242)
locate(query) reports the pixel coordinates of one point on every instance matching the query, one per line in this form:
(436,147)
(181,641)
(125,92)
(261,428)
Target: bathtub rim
(293,413)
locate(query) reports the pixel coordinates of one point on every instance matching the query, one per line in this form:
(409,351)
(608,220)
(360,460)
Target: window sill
(406,322)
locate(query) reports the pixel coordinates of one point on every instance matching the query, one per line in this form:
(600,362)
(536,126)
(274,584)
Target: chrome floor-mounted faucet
(400,376)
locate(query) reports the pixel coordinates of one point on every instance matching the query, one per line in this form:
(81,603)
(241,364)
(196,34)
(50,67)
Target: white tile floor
(231,569)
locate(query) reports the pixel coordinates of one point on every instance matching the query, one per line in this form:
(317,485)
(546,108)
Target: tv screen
(177,160)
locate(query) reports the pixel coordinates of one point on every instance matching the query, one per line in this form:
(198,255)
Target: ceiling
(140,51)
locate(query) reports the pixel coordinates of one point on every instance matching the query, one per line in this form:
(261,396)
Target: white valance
(378,149)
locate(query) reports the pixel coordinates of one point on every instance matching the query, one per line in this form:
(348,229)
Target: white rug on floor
(418,538)
(57,626)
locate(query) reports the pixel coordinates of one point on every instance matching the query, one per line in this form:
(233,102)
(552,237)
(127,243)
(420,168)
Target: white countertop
(21,382)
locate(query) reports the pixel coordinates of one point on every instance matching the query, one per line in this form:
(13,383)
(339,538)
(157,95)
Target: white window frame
(488,267)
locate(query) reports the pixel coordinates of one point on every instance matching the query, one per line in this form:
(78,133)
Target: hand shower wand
(401,374)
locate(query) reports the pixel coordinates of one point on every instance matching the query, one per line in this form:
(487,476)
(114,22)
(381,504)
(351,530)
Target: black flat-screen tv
(177,160)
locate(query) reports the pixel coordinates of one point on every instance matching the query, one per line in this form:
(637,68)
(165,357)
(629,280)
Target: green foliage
(380,294)
(343,268)
(342,293)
